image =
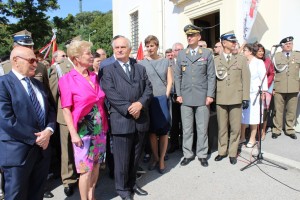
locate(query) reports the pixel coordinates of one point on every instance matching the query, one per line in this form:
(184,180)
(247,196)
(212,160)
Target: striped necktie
(36,104)
(127,70)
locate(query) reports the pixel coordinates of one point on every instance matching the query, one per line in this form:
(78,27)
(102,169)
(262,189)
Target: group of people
(106,109)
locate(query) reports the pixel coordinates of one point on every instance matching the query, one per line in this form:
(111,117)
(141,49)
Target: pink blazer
(77,93)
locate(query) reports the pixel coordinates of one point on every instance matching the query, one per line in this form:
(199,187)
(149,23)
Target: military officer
(233,94)
(195,85)
(23,38)
(286,88)
(61,66)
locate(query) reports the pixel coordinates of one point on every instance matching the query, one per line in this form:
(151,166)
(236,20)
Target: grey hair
(120,36)
(177,43)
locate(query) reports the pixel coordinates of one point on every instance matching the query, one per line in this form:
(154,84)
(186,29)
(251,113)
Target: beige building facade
(136,19)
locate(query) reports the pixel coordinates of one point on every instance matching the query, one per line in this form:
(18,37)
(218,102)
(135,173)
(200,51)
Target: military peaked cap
(191,29)
(23,38)
(230,36)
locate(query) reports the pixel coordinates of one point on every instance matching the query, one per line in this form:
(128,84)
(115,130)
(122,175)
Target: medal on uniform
(183,68)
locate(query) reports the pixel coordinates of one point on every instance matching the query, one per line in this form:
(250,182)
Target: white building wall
(275,20)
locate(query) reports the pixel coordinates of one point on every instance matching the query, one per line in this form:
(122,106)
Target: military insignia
(183,68)
(202,59)
(200,51)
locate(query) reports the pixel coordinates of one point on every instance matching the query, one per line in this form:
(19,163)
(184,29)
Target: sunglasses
(30,60)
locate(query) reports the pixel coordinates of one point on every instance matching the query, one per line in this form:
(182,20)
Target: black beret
(191,29)
(287,39)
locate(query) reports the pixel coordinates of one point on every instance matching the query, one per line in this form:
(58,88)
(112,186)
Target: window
(134,19)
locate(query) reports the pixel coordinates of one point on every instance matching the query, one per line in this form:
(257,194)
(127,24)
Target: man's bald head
(23,61)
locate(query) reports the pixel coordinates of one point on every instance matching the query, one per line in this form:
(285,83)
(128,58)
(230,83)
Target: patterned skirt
(94,142)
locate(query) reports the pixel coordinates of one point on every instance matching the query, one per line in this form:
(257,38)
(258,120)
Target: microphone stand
(259,158)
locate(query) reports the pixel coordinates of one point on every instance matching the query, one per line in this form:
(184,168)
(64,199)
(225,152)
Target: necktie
(288,55)
(228,59)
(127,70)
(36,104)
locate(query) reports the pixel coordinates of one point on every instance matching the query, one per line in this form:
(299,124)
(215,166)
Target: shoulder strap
(156,72)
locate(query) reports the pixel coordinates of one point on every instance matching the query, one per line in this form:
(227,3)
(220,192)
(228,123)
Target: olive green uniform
(233,86)
(286,87)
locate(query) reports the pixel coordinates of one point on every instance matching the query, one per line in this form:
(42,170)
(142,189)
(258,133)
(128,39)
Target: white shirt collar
(18,75)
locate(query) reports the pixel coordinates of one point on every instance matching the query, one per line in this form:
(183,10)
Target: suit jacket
(109,61)
(233,82)
(121,92)
(18,121)
(65,66)
(287,81)
(195,77)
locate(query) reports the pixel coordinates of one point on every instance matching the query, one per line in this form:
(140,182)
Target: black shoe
(139,191)
(128,198)
(219,157)
(232,160)
(48,195)
(138,176)
(146,158)
(203,162)
(275,136)
(293,136)
(186,161)
(173,148)
(69,191)
(140,170)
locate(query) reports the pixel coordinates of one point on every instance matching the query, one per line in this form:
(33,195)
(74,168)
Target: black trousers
(176,128)
(127,150)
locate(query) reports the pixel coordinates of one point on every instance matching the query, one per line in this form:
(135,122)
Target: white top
(258,71)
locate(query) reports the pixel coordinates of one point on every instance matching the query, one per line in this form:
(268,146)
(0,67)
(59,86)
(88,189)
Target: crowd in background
(95,111)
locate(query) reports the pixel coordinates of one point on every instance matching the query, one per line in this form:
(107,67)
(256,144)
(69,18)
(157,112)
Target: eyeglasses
(217,46)
(29,60)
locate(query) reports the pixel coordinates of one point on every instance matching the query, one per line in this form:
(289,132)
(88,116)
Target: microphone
(277,45)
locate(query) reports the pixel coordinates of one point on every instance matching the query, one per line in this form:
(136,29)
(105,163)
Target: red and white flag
(249,13)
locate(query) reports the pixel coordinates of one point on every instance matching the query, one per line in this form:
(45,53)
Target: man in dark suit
(129,92)
(27,121)
(109,154)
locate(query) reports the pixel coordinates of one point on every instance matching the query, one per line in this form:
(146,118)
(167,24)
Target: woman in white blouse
(251,115)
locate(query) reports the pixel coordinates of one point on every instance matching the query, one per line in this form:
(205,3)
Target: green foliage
(31,15)
(84,24)
(5,41)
